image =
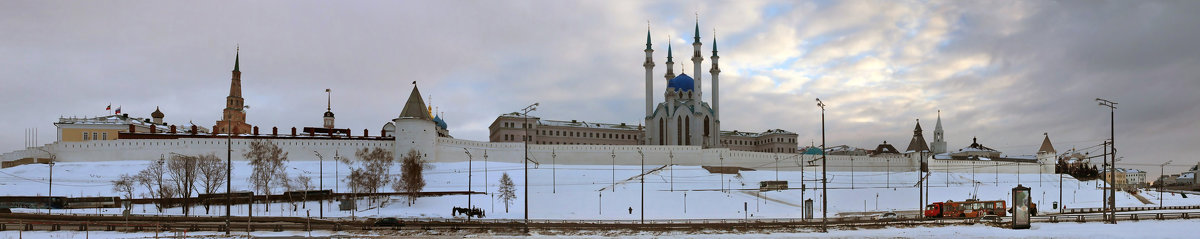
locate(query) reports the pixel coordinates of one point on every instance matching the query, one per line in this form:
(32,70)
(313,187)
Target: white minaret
(696,59)
(649,64)
(716,96)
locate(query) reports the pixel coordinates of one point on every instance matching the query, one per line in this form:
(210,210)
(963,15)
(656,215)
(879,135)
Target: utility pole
(824,179)
(229,173)
(1112,107)
(671,154)
(614,170)
(1161,170)
(321,183)
(525,138)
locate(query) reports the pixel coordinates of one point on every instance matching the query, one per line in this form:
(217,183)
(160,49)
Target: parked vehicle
(966,209)
(388,222)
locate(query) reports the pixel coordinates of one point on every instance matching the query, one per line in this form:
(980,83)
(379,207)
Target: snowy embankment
(586,192)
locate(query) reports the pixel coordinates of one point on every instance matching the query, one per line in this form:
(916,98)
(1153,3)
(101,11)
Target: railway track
(42,222)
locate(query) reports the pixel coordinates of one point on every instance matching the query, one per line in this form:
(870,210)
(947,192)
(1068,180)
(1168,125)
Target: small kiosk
(1020,207)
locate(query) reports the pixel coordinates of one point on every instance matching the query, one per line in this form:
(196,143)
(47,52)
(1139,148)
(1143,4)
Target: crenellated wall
(454,150)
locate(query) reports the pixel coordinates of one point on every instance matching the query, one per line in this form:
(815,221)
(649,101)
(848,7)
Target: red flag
(109,107)
(118,110)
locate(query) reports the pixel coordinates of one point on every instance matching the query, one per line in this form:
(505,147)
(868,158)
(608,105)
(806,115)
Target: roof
(1046,146)
(975,146)
(683,82)
(585,124)
(415,107)
(918,141)
(753,134)
(886,148)
(157,113)
(441,123)
(328,113)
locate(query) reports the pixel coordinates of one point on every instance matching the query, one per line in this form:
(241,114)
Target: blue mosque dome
(683,82)
(440,123)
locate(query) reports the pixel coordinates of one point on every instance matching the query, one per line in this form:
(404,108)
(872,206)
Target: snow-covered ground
(586,191)
(1124,229)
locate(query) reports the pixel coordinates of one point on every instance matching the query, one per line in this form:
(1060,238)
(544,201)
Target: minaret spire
(237,56)
(648,35)
(696,59)
(670,60)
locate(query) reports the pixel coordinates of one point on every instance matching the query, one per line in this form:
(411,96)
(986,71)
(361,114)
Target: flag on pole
(109,107)
(118,110)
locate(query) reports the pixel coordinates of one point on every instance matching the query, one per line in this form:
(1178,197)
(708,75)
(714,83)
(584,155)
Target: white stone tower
(938,146)
(415,129)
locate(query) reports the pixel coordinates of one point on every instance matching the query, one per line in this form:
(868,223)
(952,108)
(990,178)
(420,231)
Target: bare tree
(184,171)
(212,174)
(378,163)
(151,178)
(508,191)
(267,162)
(125,185)
(411,178)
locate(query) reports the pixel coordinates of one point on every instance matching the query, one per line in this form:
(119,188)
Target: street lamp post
(1112,107)
(321,184)
(642,181)
(525,139)
(469,170)
(50,188)
(824,179)
(1161,170)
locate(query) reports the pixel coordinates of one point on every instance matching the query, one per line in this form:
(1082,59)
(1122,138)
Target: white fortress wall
(152,149)
(452,150)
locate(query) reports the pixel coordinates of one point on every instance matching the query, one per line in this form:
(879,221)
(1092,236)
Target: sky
(1005,72)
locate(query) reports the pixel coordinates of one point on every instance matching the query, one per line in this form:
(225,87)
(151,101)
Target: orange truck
(965,209)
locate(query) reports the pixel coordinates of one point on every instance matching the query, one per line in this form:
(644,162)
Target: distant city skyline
(1004,72)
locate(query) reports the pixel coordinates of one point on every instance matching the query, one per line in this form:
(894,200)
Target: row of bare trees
(182,175)
(203,173)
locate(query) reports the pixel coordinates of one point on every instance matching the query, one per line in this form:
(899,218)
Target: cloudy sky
(1003,71)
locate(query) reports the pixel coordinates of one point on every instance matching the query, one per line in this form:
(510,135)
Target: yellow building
(74,129)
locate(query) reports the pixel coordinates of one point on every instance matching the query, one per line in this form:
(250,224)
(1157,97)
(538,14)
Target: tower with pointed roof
(938,146)
(233,118)
(328,117)
(415,128)
(917,144)
(1046,155)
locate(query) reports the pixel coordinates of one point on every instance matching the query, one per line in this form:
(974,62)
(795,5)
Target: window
(85,136)
(104,135)
(95,135)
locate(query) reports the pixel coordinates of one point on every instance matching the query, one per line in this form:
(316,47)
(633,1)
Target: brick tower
(234,114)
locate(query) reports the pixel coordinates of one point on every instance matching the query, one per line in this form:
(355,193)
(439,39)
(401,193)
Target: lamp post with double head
(1112,204)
